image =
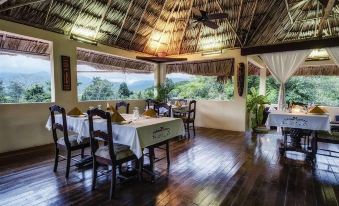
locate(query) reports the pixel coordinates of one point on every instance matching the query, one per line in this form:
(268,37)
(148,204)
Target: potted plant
(163,91)
(255,108)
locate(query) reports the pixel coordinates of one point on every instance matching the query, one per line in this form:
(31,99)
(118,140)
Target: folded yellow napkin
(318,110)
(75,111)
(177,104)
(150,113)
(116,117)
(110,108)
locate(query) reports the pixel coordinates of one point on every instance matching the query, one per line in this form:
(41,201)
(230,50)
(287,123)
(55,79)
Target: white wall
(227,115)
(23,125)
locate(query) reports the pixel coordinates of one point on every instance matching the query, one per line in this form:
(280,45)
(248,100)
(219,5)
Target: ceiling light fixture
(212,53)
(84,39)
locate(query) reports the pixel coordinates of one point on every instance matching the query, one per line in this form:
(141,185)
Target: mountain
(26,78)
(141,85)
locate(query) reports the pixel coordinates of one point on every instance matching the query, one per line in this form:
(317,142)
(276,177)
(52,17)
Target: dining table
(299,123)
(137,133)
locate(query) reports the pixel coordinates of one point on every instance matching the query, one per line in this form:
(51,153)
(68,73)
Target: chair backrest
(158,106)
(98,135)
(337,118)
(55,109)
(183,101)
(192,109)
(150,102)
(122,104)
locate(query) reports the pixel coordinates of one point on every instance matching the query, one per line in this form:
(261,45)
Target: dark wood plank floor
(216,168)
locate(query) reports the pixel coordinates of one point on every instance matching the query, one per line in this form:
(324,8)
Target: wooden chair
(160,145)
(110,153)
(325,137)
(150,102)
(122,104)
(67,143)
(158,106)
(189,119)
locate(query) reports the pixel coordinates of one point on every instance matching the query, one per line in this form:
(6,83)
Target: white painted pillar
(262,85)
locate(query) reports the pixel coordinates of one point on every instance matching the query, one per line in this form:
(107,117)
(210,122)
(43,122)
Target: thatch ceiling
(152,26)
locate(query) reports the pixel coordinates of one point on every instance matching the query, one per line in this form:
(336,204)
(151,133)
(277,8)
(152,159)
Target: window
(107,77)
(200,87)
(24,78)
(321,90)
(207,79)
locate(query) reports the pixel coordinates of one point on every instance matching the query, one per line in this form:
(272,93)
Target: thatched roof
(305,70)
(152,26)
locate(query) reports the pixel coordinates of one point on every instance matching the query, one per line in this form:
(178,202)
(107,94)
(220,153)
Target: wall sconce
(212,53)
(84,39)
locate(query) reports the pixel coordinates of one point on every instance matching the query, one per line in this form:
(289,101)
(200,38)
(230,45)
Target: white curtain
(334,53)
(282,66)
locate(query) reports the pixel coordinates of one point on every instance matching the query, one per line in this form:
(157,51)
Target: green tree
(98,90)
(123,91)
(15,91)
(36,93)
(2,93)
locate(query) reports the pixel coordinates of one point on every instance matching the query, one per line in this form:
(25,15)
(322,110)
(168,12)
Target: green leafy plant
(164,90)
(255,107)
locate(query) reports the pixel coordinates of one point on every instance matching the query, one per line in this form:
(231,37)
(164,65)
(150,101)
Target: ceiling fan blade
(196,12)
(211,24)
(217,16)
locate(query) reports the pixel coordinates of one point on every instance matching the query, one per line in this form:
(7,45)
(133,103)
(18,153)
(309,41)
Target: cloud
(23,64)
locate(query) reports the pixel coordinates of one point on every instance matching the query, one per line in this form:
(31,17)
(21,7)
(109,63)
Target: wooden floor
(216,168)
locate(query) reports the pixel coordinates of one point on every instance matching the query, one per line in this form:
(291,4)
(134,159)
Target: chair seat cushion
(73,140)
(121,152)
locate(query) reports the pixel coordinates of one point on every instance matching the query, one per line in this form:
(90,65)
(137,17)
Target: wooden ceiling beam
(49,11)
(103,16)
(292,46)
(123,21)
(20,5)
(154,26)
(163,30)
(262,20)
(186,24)
(251,21)
(288,11)
(327,12)
(138,25)
(238,21)
(77,18)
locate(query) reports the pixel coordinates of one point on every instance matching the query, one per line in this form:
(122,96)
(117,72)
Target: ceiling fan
(201,16)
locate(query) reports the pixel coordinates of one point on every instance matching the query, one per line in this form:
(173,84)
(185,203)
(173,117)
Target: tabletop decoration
(75,112)
(150,113)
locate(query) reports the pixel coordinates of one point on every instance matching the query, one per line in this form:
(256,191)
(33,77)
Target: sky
(27,64)
(23,64)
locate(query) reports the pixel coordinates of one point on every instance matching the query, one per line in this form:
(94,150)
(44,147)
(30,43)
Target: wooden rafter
(20,5)
(138,25)
(174,24)
(186,24)
(123,21)
(292,25)
(230,25)
(238,20)
(251,21)
(288,11)
(163,30)
(49,11)
(262,20)
(156,22)
(327,12)
(329,27)
(77,18)
(103,16)
(317,15)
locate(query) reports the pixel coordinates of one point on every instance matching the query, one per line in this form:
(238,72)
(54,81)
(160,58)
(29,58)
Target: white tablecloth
(299,121)
(138,134)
